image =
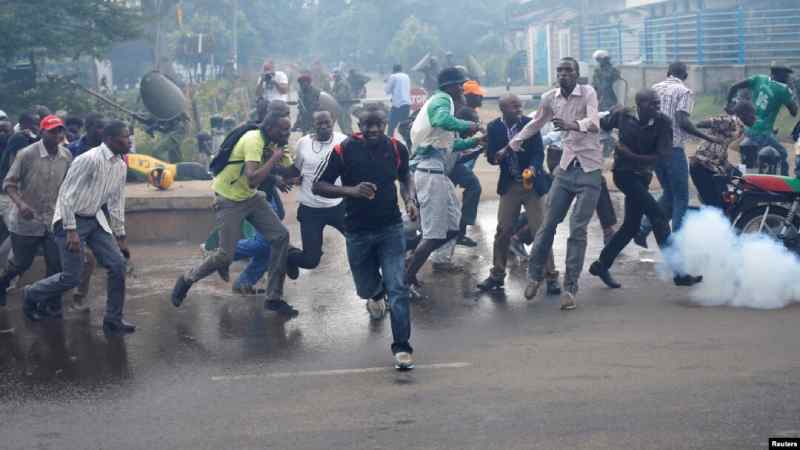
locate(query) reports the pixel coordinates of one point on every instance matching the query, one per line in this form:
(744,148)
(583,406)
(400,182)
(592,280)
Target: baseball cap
(50,122)
(472,87)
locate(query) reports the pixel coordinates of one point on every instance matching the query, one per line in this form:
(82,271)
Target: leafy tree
(412,41)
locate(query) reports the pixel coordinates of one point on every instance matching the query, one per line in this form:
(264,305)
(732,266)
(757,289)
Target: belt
(432,171)
(574,164)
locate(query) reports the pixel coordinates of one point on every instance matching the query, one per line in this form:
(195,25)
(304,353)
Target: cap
(450,76)
(600,54)
(50,122)
(472,87)
(780,66)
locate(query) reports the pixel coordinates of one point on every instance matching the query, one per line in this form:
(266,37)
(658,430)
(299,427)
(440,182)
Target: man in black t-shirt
(368,164)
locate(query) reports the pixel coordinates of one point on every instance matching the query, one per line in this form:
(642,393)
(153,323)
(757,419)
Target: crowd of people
(64,192)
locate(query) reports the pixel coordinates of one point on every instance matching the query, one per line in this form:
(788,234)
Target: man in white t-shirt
(273,85)
(315,212)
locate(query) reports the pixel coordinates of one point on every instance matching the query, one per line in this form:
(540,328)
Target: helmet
(768,160)
(160,178)
(451,75)
(600,54)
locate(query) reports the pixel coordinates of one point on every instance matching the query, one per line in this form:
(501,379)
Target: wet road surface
(637,368)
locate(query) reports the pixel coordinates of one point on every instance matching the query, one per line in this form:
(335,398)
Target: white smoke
(751,271)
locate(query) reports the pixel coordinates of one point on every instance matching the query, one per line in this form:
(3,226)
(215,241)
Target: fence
(740,36)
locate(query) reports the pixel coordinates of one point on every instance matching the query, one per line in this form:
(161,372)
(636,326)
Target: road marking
(322,373)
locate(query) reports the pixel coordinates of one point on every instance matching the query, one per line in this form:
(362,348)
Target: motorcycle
(768,204)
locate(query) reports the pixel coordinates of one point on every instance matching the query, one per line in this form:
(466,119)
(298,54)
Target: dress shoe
(464,241)
(118,326)
(281,307)
(601,272)
(491,284)
(687,280)
(182,285)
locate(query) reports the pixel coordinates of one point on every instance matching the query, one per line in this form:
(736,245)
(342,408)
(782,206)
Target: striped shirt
(675,96)
(96,178)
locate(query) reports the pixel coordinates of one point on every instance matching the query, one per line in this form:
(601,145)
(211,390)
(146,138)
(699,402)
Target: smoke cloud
(751,271)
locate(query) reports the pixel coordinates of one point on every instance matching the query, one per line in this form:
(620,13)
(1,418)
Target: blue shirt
(399,87)
(79,147)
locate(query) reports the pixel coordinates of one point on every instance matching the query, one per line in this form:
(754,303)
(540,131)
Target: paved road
(635,368)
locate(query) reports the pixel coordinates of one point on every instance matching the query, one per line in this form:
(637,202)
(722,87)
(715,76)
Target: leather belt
(432,171)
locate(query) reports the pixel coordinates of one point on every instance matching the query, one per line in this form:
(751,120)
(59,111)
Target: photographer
(273,85)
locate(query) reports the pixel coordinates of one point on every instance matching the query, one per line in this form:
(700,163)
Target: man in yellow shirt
(255,156)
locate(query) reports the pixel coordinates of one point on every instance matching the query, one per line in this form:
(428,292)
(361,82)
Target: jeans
(568,185)
(397,115)
(229,216)
(377,263)
(638,202)
(312,223)
(105,250)
(673,174)
(258,250)
(760,141)
(25,249)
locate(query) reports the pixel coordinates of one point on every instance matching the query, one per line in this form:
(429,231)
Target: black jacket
(532,154)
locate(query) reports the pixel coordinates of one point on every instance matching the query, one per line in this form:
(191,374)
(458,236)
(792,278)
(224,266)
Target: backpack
(221,159)
(397,161)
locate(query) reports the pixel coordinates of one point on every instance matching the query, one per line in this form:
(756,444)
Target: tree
(412,41)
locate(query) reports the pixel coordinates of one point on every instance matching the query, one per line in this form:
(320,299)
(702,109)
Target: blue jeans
(105,249)
(673,175)
(377,261)
(760,141)
(258,250)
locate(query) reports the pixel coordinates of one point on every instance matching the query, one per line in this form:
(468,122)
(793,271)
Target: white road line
(322,373)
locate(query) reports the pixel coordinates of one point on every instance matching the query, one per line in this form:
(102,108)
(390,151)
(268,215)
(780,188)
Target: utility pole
(236,35)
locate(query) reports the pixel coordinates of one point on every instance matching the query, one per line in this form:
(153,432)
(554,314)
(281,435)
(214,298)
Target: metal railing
(739,36)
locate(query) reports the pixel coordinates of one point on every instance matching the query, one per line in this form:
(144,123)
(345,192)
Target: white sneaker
(376,308)
(403,361)
(568,300)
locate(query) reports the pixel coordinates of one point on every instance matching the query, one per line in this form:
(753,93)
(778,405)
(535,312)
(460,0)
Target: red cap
(50,122)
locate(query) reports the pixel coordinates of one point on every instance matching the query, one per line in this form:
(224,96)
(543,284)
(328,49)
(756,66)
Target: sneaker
(403,361)
(518,248)
(602,272)
(446,267)
(376,308)
(464,241)
(532,289)
(568,298)
(182,285)
(492,284)
(281,307)
(553,288)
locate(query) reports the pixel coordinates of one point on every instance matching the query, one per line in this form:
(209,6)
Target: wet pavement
(638,367)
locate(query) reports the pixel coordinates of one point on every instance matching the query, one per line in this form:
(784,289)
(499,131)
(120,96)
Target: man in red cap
(32,183)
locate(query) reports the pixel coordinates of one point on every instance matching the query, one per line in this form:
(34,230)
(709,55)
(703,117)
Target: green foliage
(412,41)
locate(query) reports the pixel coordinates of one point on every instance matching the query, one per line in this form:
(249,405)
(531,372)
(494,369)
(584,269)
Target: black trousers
(312,222)
(638,203)
(708,188)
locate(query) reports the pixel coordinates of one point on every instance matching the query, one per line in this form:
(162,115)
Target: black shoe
(281,307)
(118,327)
(601,272)
(464,241)
(687,280)
(292,271)
(491,284)
(225,273)
(182,286)
(640,240)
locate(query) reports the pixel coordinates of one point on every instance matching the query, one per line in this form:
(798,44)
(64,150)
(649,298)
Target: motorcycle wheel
(753,221)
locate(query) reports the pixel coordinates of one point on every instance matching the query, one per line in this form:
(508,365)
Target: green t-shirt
(232,183)
(768,97)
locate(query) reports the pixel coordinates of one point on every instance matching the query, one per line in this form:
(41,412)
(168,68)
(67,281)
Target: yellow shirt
(232,183)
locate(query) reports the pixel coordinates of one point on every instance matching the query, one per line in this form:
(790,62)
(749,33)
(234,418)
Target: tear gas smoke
(751,270)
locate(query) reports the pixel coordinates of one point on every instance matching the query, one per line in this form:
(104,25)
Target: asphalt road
(636,368)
